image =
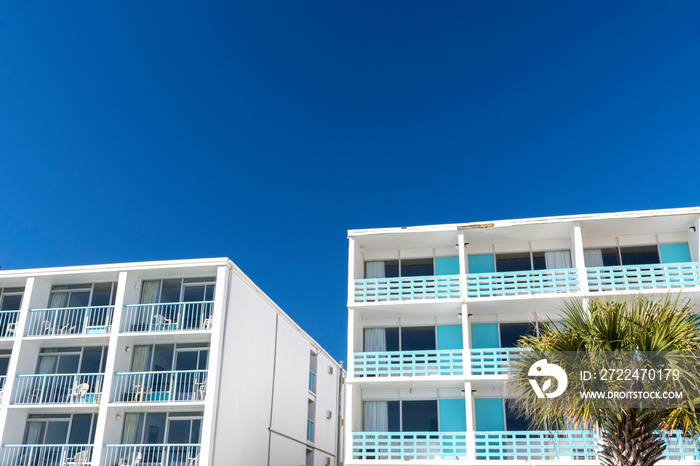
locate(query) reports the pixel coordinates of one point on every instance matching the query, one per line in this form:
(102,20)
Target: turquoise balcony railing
(8,323)
(312,381)
(409,445)
(530,282)
(680,448)
(492,361)
(160,387)
(406,288)
(58,389)
(168,317)
(644,277)
(310,430)
(151,455)
(537,445)
(63,455)
(409,363)
(70,321)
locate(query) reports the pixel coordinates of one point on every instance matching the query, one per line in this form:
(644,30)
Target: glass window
(511,333)
(417,338)
(610,257)
(393,343)
(394,412)
(56,433)
(68,364)
(420,416)
(186,361)
(538,261)
(391,269)
(163,358)
(179,431)
(102,295)
(170,292)
(92,360)
(11,302)
(639,255)
(193,294)
(417,267)
(514,262)
(4,363)
(154,429)
(80,429)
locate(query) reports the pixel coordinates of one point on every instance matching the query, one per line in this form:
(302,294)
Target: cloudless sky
(264,130)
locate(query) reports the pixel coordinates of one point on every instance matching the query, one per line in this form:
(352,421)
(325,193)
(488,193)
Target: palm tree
(631,434)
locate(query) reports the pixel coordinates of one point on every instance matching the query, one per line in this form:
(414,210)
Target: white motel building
(435,313)
(173,363)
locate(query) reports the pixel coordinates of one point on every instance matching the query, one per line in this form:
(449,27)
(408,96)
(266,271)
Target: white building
(183,363)
(434,313)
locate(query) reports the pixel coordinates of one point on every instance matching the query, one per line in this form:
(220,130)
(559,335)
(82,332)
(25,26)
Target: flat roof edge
(117,267)
(526,221)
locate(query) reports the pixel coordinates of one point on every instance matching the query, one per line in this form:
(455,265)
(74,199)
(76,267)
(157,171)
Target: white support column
(112,355)
(579,258)
(466,340)
(351,343)
(14,357)
(462,265)
(352,251)
(222,305)
(471,423)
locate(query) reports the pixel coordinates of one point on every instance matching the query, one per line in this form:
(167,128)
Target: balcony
(643,277)
(528,282)
(309,430)
(409,445)
(493,361)
(70,321)
(160,387)
(409,363)
(152,455)
(312,381)
(168,317)
(679,448)
(58,389)
(8,323)
(49,455)
(537,445)
(369,290)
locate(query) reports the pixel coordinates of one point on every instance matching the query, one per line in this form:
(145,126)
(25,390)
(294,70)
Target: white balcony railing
(160,387)
(409,445)
(167,317)
(45,455)
(58,389)
(644,277)
(70,321)
(406,288)
(152,455)
(409,363)
(8,323)
(529,282)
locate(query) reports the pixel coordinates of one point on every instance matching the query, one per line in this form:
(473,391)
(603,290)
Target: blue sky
(264,130)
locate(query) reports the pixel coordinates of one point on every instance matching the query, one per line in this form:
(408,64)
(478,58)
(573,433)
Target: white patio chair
(81,458)
(79,392)
(161,322)
(135,462)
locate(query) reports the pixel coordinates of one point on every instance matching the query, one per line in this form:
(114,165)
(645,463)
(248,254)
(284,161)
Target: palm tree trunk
(628,439)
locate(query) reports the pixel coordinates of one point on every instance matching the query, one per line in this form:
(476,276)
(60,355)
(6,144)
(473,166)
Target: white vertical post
(221,308)
(351,272)
(103,412)
(14,357)
(471,424)
(462,265)
(579,258)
